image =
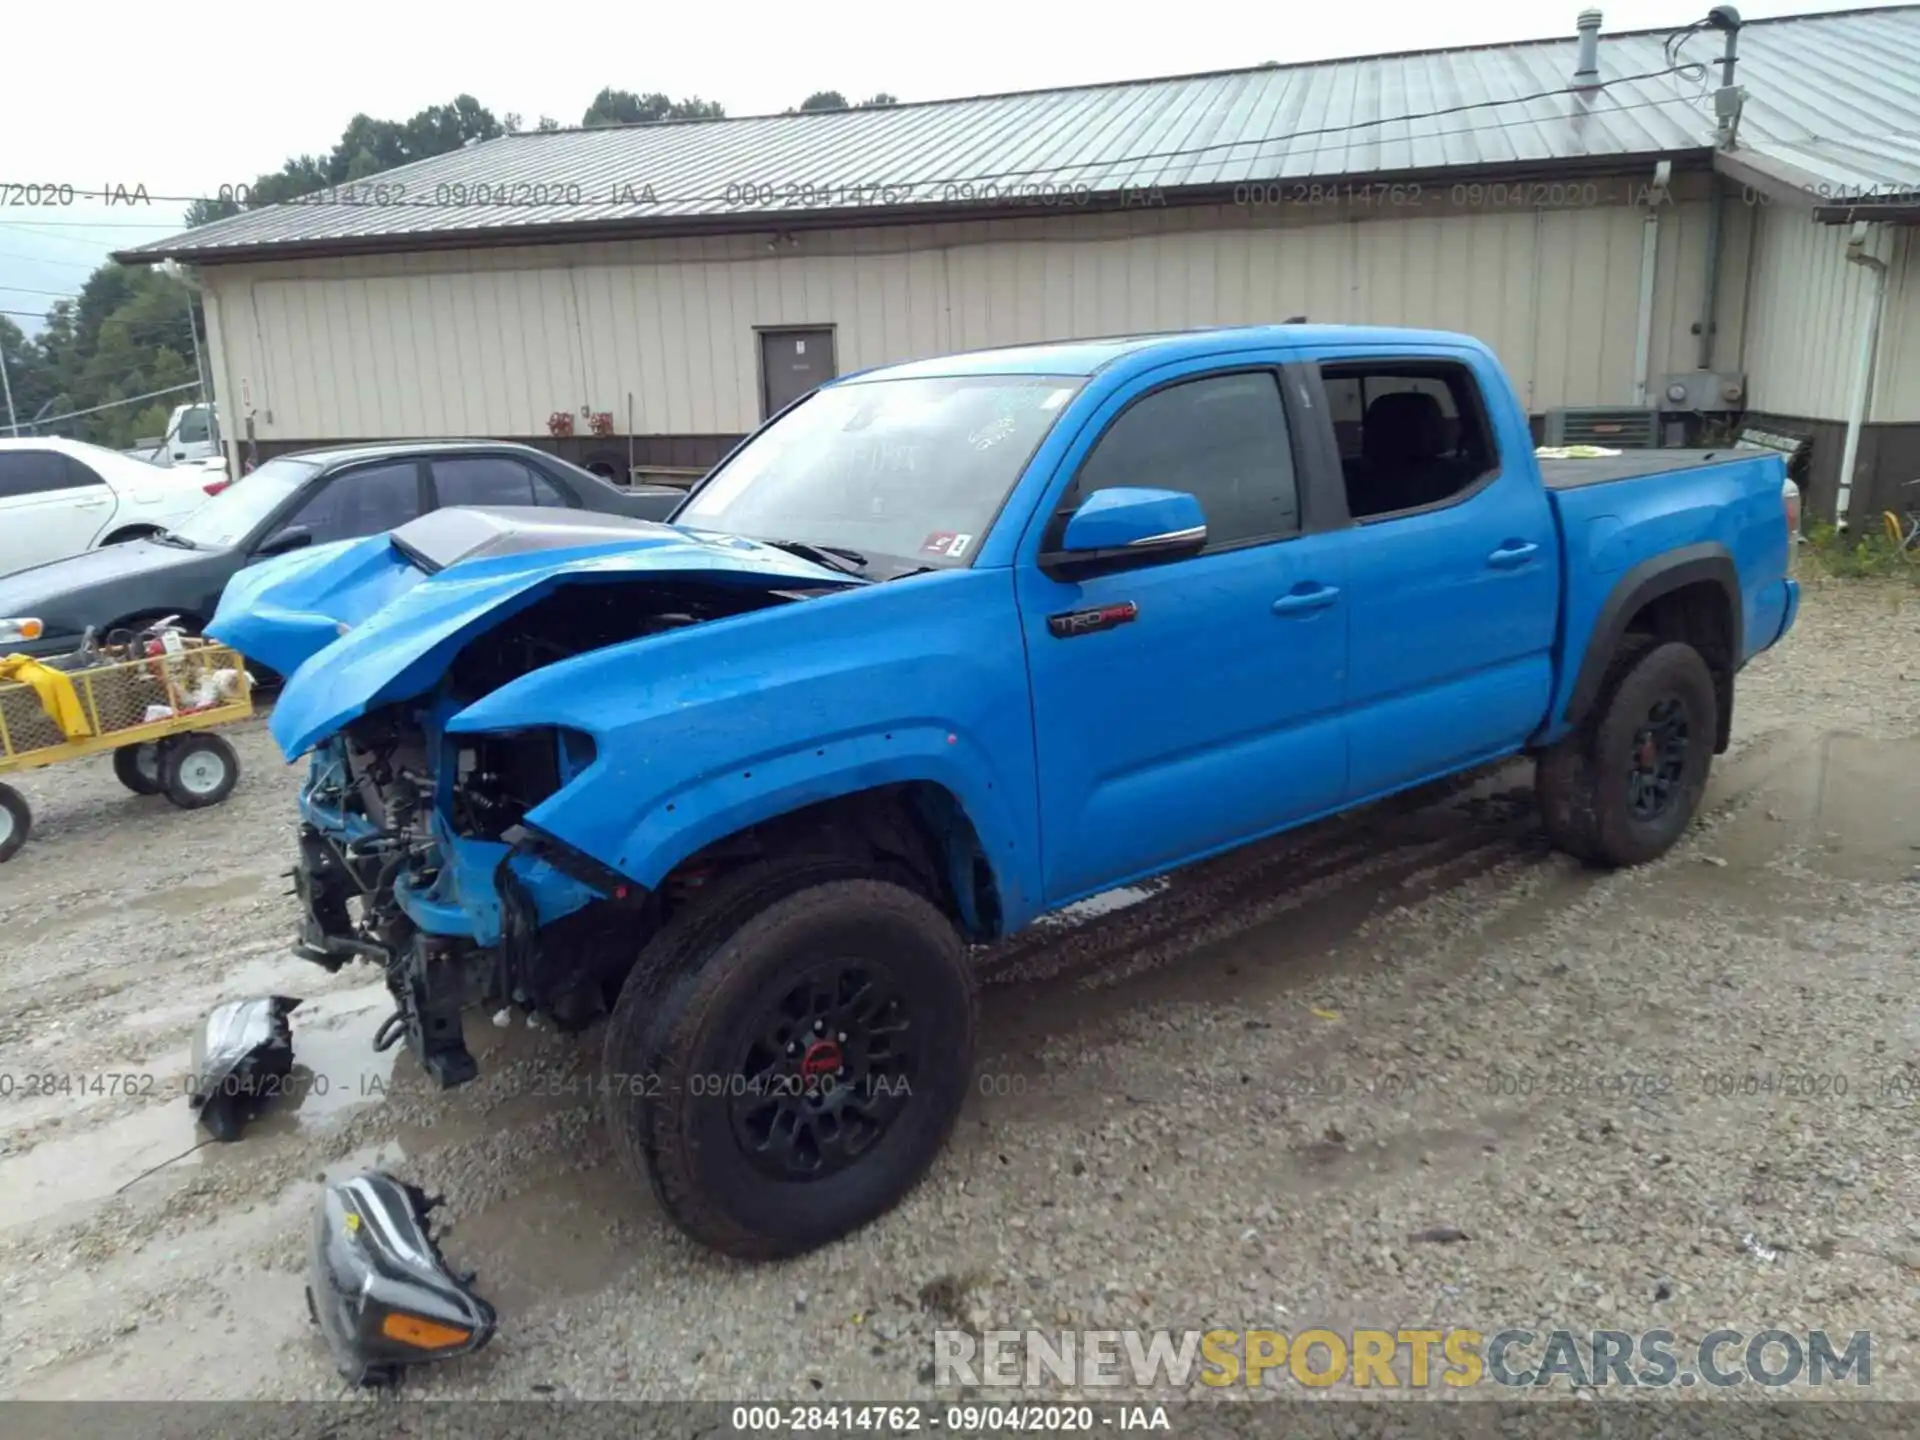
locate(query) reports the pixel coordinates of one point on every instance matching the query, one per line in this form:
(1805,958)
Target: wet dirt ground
(1233,1098)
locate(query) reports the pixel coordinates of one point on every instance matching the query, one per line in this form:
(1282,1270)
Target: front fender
(701,732)
(711,807)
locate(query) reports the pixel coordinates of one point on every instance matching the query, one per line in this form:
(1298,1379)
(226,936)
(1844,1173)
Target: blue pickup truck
(947,645)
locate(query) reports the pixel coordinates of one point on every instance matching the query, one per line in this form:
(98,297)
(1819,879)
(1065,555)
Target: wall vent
(1616,427)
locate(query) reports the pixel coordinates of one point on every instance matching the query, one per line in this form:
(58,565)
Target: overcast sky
(184,101)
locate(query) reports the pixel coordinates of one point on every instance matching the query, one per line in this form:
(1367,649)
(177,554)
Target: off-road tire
(1581,781)
(18,822)
(702,979)
(182,763)
(128,770)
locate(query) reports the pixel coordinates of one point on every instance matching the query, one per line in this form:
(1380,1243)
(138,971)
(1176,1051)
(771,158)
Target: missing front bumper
(378,1287)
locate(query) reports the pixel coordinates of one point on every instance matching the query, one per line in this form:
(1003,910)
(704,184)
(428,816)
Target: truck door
(1452,569)
(1210,715)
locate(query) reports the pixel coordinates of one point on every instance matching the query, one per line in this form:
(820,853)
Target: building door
(792,362)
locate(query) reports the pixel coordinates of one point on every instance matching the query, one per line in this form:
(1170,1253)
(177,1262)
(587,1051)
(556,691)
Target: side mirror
(291,538)
(1125,526)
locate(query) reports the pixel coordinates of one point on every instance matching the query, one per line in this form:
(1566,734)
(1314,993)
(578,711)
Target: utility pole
(199,366)
(13,421)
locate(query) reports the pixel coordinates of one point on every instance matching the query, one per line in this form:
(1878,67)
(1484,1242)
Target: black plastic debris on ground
(241,1058)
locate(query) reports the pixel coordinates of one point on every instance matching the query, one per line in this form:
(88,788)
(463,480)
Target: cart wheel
(199,770)
(16,820)
(138,767)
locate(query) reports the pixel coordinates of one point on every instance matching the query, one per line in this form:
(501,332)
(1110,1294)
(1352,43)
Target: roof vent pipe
(1586,68)
(1726,99)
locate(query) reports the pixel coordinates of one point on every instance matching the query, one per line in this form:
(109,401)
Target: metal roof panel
(1837,95)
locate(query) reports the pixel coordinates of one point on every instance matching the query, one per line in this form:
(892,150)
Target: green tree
(624,107)
(27,375)
(366,147)
(126,334)
(834,100)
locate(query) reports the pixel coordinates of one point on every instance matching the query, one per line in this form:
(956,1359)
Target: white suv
(59,497)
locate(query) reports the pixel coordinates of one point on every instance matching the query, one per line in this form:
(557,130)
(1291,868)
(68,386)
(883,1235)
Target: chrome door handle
(1513,554)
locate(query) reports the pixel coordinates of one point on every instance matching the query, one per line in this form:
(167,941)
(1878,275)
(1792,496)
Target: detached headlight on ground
(243,1052)
(378,1288)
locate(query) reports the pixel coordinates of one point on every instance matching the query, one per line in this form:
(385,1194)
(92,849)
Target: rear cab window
(1411,433)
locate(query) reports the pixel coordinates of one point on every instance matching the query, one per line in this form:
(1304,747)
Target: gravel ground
(1342,1079)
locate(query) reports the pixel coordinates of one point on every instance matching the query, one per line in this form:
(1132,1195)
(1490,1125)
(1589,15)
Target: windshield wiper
(834,557)
(167,537)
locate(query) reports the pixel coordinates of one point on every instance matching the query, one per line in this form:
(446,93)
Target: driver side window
(361,502)
(1223,439)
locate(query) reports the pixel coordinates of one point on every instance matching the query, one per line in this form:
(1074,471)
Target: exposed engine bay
(415,853)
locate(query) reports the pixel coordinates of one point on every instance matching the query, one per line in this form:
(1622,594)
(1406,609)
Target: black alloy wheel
(1659,758)
(825,1069)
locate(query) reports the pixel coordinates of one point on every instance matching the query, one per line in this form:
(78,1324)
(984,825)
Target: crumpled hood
(364,625)
(282,611)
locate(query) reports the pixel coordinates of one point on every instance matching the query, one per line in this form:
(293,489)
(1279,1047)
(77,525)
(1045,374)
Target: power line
(160,321)
(90,224)
(116,404)
(56,239)
(45,260)
(1688,69)
(29,290)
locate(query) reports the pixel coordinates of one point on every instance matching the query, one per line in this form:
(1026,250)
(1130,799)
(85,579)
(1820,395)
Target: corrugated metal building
(1607,211)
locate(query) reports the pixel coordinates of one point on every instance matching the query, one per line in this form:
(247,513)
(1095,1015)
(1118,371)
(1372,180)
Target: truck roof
(1084,357)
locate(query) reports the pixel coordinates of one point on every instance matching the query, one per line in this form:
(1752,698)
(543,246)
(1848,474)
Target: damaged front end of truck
(421,847)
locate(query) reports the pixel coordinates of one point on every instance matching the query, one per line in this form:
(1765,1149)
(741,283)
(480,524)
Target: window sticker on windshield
(1056,400)
(945,542)
(992,433)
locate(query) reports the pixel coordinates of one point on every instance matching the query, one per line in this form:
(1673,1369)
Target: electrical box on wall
(1707,390)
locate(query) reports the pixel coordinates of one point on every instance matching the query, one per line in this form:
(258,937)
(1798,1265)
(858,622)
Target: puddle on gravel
(78,1170)
(336,1069)
(570,1235)
(273,972)
(231,1333)
(1867,808)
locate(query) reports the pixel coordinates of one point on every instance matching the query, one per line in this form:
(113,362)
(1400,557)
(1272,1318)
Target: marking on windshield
(947,543)
(992,433)
(1056,400)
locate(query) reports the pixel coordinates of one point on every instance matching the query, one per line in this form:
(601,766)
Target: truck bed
(1617,512)
(1632,465)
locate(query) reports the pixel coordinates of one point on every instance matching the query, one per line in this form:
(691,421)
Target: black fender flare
(1645,582)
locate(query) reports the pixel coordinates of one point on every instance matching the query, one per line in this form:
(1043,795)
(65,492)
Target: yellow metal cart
(152,710)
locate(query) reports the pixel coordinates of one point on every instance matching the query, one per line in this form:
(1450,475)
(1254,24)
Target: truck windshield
(908,471)
(230,516)
(192,428)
